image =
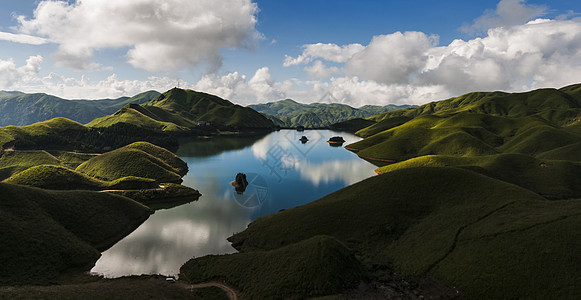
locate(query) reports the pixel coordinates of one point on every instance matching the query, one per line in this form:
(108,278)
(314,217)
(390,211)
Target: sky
(354,52)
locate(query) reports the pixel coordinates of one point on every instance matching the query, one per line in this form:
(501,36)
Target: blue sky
(354,52)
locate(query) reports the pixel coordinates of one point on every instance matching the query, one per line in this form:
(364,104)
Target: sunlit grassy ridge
(60,178)
(139,160)
(135,171)
(486,237)
(319,265)
(64,134)
(556,106)
(529,123)
(180,110)
(51,133)
(12,162)
(47,232)
(139,116)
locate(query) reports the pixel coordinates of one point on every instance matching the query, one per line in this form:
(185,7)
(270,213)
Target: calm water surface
(281,171)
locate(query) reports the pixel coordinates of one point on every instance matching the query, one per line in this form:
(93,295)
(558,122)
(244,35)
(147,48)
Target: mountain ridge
(21,109)
(290,113)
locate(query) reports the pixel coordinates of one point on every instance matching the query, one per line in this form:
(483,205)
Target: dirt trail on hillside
(232,294)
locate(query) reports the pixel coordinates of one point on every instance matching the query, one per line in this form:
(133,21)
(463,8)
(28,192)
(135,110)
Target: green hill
(486,237)
(64,134)
(180,110)
(140,117)
(289,113)
(139,160)
(317,266)
(24,109)
(532,123)
(552,179)
(45,233)
(557,106)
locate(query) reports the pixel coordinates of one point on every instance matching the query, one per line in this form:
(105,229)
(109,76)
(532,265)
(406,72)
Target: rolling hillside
(542,123)
(45,233)
(22,109)
(485,237)
(478,193)
(180,110)
(289,113)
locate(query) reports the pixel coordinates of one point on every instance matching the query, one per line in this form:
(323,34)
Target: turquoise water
(282,173)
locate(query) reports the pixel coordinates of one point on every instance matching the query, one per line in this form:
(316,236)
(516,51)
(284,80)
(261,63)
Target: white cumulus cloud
(330,52)
(508,13)
(12,77)
(411,67)
(159,35)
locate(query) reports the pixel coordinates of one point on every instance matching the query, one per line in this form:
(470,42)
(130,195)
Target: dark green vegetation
(46,232)
(133,287)
(24,109)
(553,179)
(320,265)
(288,113)
(488,238)
(352,125)
(187,111)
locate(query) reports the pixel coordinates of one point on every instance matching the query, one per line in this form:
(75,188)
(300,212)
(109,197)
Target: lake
(282,173)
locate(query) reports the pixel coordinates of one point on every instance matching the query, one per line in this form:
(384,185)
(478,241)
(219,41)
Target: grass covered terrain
(64,134)
(140,171)
(139,160)
(488,238)
(45,233)
(319,265)
(183,111)
(553,179)
(542,125)
(134,287)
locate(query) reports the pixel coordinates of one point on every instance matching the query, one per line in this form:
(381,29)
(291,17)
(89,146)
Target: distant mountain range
(289,113)
(22,109)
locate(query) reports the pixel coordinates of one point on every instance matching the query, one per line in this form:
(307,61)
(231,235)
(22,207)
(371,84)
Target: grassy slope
(556,106)
(196,106)
(52,132)
(553,179)
(53,177)
(134,287)
(13,162)
(316,266)
(180,110)
(139,160)
(139,116)
(47,232)
(465,134)
(436,219)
